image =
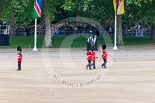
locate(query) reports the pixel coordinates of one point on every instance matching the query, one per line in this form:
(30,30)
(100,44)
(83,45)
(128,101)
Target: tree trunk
(11,23)
(1,2)
(153,33)
(42,19)
(47,38)
(119,30)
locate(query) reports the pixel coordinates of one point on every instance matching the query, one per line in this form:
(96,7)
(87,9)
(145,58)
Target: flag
(36,13)
(118,6)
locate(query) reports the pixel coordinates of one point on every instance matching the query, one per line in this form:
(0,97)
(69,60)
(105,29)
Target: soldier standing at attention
(104,56)
(19,49)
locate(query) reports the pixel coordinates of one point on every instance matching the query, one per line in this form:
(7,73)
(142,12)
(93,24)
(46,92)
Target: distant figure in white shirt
(90,43)
(95,43)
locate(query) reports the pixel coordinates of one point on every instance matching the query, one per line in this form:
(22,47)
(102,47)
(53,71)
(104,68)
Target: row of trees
(18,12)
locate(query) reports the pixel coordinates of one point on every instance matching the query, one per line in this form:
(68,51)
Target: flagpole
(35,37)
(115,38)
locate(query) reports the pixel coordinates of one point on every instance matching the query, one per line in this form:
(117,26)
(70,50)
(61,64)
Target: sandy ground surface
(60,76)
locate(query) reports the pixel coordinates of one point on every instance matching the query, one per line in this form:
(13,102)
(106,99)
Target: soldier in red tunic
(19,49)
(89,54)
(93,59)
(104,56)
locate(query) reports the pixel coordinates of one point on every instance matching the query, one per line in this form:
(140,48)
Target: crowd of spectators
(137,29)
(57,29)
(72,28)
(129,29)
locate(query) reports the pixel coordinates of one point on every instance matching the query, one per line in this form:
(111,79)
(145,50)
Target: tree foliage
(21,9)
(141,10)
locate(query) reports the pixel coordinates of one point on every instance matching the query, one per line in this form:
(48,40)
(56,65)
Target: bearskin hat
(104,46)
(19,48)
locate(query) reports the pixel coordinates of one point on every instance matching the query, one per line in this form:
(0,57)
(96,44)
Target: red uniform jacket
(89,54)
(104,56)
(20,57)
(93,56)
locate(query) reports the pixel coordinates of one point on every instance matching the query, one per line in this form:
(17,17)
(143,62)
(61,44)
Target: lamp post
(90,16)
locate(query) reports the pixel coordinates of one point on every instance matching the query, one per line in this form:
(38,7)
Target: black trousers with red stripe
(93,64)
(104,64)
(19,65)
(89,64)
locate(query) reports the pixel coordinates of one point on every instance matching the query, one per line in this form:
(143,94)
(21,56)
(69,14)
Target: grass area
(137,40)
(73,41)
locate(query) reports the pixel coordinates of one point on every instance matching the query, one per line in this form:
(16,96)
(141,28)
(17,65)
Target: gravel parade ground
(60,76)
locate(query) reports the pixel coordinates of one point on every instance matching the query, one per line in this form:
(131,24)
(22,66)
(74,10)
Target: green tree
(12,9)
(142,10)
(48,11)
(104,11)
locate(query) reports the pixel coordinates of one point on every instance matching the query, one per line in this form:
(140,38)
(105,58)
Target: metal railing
(30,32)
(41,32)
(138,33)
